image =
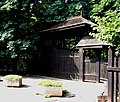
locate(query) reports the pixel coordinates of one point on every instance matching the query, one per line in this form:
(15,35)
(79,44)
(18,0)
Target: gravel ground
(79,91)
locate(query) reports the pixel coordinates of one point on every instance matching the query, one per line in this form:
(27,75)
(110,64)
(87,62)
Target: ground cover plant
(13,80)
(52,88)
(50,83)
(13,77)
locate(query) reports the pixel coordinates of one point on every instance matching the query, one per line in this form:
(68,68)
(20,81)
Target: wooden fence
(12,66)
(66,64)
(114,80)
(91,70)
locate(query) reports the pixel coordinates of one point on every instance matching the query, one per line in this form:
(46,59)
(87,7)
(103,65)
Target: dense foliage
(20,22)
(107,15)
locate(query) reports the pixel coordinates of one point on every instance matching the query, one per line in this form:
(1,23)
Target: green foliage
(9,4)
(37,93)
(107,14)
(87,6)
(50,83)
(65,91)
(13,77)
(58,11)
(48,96)
(70,44)
(21,19)
(102,6)
(16,29)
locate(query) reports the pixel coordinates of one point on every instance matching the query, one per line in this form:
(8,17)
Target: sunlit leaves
(109,22)
(6,35)
(9,4)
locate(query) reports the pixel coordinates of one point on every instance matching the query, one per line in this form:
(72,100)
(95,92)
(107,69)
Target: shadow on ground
(24,86)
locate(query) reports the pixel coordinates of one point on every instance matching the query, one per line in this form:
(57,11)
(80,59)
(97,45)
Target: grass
(13,77)
(47,82)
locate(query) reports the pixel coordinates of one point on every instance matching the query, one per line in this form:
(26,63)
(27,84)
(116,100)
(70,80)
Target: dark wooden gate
(91,71)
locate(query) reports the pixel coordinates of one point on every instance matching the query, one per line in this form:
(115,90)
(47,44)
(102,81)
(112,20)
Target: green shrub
(50,83)
(13,77)
(65,91)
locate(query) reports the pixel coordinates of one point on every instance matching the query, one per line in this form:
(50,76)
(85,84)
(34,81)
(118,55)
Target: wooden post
(119,61)
(110,86)
(110,75)
(97,71)
(110,57)
(81,69)
(98,53)
(115,80)
(118,65)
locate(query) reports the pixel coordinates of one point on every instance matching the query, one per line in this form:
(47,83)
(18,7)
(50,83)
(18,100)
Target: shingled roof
(89,41)
(71,23)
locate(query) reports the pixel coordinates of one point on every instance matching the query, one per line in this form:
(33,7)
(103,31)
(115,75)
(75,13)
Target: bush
(50,83)
(13,77)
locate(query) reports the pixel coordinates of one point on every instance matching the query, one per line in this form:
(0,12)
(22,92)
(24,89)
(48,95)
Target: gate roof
(90,42)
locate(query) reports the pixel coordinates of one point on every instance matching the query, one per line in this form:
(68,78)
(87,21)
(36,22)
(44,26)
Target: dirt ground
(79,91)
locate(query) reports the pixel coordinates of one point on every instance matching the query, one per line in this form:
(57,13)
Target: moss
(50,83)
(13,77)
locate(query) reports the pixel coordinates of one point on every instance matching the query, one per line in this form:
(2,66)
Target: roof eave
(64,28)
(92,45)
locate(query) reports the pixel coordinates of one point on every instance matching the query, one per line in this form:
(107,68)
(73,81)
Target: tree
(17,37)
(107,15)
(21,20)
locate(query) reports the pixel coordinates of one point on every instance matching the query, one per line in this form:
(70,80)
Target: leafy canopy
(107,15)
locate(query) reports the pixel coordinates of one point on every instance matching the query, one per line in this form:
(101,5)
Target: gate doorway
(93,67)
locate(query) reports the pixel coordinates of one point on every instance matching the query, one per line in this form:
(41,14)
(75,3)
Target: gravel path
(82,91)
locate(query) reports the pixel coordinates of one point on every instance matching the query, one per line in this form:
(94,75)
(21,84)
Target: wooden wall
(65,64)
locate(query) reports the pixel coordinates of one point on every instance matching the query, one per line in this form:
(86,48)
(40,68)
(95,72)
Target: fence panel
(114,81)
(112,90)
(90,70)
(65,64)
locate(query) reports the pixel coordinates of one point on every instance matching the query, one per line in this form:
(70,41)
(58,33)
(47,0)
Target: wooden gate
(92,71)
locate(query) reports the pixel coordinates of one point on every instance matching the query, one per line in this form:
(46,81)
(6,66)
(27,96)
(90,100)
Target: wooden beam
(111,56)
(110,75)
(119,85)
(98,67)
(90,46)
(64,27)
(98,71)
(113,69)
(119,61)
(81,70)
(110,86)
